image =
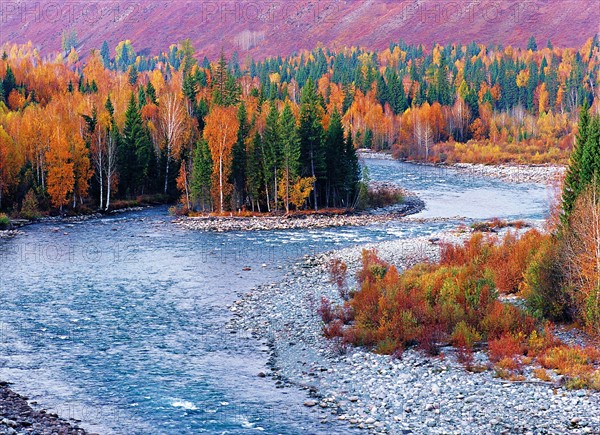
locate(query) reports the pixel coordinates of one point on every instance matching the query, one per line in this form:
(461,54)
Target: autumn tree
(10,163)
(60,170)
(221,133)
(183,185)
(581,257)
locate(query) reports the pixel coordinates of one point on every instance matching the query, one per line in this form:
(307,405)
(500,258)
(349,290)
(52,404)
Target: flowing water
(119,321)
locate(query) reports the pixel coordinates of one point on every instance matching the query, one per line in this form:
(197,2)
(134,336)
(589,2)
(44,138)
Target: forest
(111,127)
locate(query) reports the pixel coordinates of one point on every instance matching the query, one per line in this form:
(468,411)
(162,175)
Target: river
(119,321)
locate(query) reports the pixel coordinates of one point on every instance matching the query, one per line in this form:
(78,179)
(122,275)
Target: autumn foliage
(455,302)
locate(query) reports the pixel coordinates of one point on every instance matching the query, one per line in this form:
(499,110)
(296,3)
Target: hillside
(266,28)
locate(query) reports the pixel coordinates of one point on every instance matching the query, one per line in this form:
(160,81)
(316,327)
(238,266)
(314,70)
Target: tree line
(123,124)
(192,133)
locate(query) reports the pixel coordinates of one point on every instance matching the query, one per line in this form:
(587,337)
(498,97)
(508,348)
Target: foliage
(469,103)
(30,206)
(4,221)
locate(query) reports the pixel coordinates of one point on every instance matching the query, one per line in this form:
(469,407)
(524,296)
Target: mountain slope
(263,28)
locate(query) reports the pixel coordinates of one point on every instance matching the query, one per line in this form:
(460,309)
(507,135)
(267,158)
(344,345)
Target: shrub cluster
(455,301)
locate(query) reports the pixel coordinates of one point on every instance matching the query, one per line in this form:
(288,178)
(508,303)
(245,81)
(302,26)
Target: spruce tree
(352,172)
(151,92)
(311,138)
(572,180)
(127,155)
(133,75)
(590,159)
(200,182)
(290,152)
(105,54)
(9,82)
(254,173)
(238,164)
(271,155)
(334,162)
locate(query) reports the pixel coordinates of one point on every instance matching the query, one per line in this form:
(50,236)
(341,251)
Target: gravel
(410,205)
(414,394)
(18,417)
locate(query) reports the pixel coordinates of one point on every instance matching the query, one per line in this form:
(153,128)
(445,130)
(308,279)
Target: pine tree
(141,97)
(352,171)
(271,155)
(133,75)
(444,91)
(290,154)
(105,54)
(531,44)
(311,138)
(200,182)
(151,92)
(9,82)
(573,177)
(334,152)
(254,174)
(132,138)
(589,168)
(238,165)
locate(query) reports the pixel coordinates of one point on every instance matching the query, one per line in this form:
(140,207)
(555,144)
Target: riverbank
(410,205)
(18,417)
(414,394)
(541,174)
(18,223)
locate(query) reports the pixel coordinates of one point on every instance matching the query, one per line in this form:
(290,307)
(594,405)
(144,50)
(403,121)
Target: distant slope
(279,27)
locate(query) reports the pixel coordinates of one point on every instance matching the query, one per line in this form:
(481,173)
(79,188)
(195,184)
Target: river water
(119,321)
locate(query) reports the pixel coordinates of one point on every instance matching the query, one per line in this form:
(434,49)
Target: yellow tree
(61,176)
(221,134)
(10,162)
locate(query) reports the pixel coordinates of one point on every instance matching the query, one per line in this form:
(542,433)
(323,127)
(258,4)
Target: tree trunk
(167,170)
(221,183)
(312,168)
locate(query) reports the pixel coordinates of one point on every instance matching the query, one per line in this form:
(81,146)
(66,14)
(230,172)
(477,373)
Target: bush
(337,273)
(4,222)
(383,196)
(325,310)
(507,346)
(456,301)
(543,287)
(30,208)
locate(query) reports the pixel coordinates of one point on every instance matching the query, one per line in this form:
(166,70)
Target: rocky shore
(411,205)
(542,174)
(18,417)
(356,388)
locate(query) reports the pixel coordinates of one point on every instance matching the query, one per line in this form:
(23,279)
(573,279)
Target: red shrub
(337,273)
(325,310)
(334,329)
(507,346)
